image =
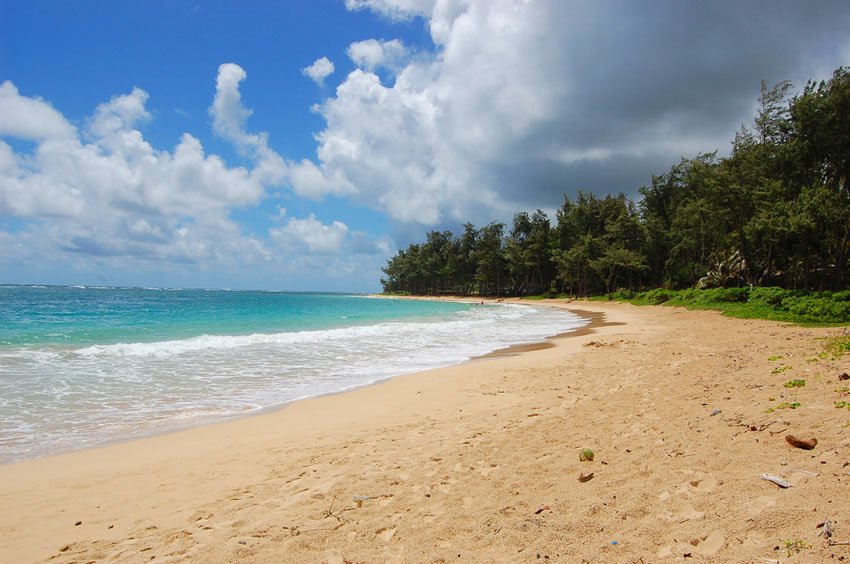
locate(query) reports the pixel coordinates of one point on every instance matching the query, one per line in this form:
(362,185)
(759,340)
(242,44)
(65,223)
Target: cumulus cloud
(520,102)
(319,70)
(229,121)
(372,54)
(105,192)
(311,233)
(104,197)
(397,10)
(227,111)
(30,118)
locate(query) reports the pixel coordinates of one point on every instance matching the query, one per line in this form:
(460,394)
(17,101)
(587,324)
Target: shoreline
(479,459)
(178,427)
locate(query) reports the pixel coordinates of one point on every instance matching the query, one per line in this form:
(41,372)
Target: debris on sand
(806,444)
(782,483)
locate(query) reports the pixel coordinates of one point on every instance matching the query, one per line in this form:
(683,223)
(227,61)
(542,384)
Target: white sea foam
(68,399)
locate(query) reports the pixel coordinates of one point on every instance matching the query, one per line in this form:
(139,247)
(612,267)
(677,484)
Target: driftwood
(782,483)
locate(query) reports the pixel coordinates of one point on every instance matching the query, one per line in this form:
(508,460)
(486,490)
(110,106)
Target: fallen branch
(782,483)
(329,512)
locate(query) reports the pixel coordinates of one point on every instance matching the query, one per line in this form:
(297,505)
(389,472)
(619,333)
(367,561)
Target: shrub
(726,295)
(658,296)
(818,309)
(770,296)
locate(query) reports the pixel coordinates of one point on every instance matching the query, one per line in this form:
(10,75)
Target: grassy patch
(780,369)
(795,383)
(796,306)
(838,346)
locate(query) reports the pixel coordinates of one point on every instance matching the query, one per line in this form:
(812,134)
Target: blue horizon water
(80,366)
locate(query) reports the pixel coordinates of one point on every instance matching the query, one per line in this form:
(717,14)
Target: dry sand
(480,462)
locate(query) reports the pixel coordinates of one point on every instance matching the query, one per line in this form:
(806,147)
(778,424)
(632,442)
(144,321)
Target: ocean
(82,366)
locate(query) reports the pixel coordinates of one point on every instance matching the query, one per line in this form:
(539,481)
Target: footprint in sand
(707,545)
(710,544)
(757,506)
(682,512)
(385,533)
(200,516)
(703,483)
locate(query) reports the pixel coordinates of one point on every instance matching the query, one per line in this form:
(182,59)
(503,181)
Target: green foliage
(795,546)
(654,297)
(725,295)
(771,296)
(795,383)
(784,405)
(774,357)
(780,370)
(837,346)
(797,306)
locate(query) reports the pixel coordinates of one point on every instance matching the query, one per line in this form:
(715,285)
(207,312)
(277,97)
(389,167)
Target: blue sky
(172,143)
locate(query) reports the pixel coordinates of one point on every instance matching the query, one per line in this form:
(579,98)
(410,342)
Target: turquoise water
(59,315)
(82,366)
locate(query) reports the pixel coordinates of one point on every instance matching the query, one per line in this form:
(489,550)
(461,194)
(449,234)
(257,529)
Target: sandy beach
(684,411)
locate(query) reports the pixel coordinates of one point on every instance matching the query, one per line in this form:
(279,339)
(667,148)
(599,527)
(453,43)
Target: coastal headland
(684,411)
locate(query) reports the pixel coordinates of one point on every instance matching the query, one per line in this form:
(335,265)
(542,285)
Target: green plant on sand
(586,455)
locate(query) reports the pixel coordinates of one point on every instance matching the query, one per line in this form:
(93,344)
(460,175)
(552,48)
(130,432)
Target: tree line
(775,212)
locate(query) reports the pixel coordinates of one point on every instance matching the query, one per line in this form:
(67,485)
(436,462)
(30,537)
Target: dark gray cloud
(648,83)
(523,102)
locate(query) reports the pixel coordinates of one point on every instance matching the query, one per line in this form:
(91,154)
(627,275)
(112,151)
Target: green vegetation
(774,357)
(838,346)
(784,405)
(795,546)
(795,383)
(842,405)
(764,232)
(797,306)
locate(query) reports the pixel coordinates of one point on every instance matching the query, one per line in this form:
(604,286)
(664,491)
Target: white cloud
(396,10)
(372,54)
(105,197)
(319,70)
(520,102)
(311,233)
(227,111)
(311,181)
(109,193)
(30,118)
(229,117)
